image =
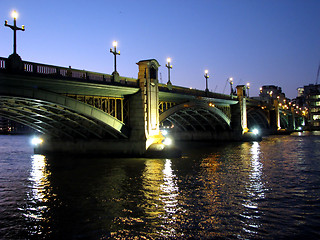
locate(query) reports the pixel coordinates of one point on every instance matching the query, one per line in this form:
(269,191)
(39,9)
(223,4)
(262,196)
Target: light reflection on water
(258,190)
(255,190)
(38,181)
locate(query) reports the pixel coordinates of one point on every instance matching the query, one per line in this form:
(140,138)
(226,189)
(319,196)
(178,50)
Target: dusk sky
(264,42)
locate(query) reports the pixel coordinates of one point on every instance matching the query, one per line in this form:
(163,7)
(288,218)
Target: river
(251,190)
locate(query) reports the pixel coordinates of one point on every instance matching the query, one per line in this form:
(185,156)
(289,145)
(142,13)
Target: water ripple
(259,190)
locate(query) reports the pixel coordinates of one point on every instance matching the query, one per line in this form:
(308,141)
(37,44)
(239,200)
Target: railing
(194,92)
(2,63)
(56,71)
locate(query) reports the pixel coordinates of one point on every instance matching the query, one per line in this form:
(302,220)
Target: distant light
(167,141)
(164,132)
(299,128)
(168,60)
(115,43)
(36,141)
(206,71)
(248,85)
(255,131)
(14,14)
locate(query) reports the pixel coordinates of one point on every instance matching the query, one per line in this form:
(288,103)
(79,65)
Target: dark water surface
(260,190)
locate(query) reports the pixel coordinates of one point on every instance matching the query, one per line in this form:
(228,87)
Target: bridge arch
(57,115)
(196,116)
(284,121)
(256,117)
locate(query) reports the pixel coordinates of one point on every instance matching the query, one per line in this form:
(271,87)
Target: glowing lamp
(169,66)
(255,131)
(115,43)
(36,141)
(14,14)
(167,141)
(164,132)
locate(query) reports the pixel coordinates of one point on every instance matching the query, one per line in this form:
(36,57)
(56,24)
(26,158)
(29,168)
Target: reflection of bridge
(92,112)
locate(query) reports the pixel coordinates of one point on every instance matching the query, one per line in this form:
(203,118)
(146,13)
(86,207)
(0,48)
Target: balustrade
(46,69)
(30,67)
(2,64)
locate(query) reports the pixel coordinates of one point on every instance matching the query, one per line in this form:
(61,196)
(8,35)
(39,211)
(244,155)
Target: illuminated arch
(196,116)
(58,115)
(257,118)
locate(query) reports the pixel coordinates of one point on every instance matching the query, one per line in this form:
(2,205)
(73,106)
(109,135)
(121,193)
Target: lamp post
(169,66)
(115,53)
(230,80)
(14,27)
(206,76)
(248,87)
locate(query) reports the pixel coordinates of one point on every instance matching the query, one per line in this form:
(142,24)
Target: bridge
(90,112)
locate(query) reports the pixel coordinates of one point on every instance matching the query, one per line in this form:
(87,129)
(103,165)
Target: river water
(252,190)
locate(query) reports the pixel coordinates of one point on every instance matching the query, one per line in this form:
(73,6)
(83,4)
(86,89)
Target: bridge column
(148,81)
(241,92)
(277,113)
(292,122)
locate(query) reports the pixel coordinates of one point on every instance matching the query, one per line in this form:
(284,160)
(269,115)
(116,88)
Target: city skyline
(260,42)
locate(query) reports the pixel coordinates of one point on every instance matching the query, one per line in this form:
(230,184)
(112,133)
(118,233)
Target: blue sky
(263,42)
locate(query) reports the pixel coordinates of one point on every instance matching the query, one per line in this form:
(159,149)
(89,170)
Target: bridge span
(88,112)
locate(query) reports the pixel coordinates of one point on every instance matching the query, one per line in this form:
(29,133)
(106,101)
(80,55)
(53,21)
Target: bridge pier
(291,121)
(241,92)
(277,114)
(239,117)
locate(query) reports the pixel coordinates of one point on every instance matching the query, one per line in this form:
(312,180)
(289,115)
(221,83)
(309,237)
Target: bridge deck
(87,80)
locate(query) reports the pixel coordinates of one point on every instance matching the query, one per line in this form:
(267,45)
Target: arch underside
(284,121)
(195,117)
(257,118)
(58,116)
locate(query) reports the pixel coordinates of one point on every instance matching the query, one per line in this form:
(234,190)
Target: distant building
(270,92)
(10,127)
(4,125)
(311,96)
(300,91)
(300,100)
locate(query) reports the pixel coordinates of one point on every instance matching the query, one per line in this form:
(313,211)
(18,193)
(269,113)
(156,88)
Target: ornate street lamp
(14,27)
(115,74)
(115,53)
(206,76)
(230,80)
(169,66)
(248,87)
